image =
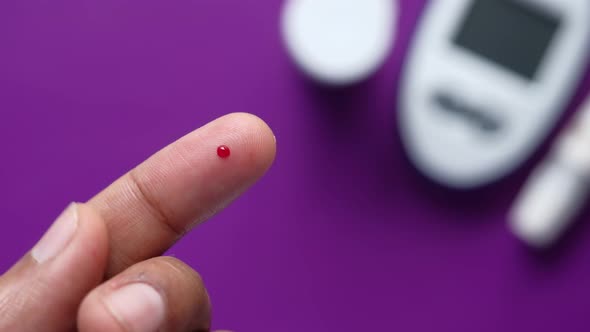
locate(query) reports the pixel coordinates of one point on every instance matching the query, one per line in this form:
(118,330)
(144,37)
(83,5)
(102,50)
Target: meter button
(478,118)
(488,124)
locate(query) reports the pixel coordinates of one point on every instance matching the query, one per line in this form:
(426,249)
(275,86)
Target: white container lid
(339,42)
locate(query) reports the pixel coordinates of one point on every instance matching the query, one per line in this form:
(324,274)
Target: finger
(43,290)
(160,294)
(153,205)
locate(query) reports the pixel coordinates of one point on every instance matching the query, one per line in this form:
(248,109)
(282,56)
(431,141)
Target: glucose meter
(486,81)
(339,42)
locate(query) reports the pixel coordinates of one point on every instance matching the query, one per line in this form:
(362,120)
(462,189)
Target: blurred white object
(486,81)
(339,42)
(556,191)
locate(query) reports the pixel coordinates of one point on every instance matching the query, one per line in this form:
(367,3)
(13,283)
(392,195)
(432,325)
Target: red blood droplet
(223,151)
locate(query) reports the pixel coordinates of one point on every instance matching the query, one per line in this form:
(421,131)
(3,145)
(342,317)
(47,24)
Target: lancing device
(557,189)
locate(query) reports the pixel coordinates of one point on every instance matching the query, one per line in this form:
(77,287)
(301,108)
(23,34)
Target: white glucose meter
(486,81)
(339,42)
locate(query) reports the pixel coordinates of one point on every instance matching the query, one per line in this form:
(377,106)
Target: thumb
(43,290)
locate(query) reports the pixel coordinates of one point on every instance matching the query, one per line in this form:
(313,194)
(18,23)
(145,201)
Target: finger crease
(152,205)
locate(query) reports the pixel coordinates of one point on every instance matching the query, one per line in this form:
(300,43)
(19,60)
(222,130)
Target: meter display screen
(509,33)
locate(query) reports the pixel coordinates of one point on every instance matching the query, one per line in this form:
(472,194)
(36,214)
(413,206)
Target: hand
(98,268)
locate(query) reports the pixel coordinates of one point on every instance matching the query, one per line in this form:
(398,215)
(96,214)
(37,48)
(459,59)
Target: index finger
(153,205)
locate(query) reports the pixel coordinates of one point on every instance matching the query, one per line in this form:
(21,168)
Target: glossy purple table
(342,235)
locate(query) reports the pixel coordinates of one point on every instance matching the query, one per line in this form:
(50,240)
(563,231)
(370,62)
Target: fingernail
(58,236)
(138,307)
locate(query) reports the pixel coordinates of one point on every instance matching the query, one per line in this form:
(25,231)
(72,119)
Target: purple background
(342,235)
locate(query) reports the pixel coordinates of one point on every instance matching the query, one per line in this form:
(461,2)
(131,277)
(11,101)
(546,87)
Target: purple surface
(342,235)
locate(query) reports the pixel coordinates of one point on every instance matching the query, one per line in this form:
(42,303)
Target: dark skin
(121,233)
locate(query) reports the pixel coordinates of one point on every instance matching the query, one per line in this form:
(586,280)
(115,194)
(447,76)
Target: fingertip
(257,132)
(158,294)
(153,205)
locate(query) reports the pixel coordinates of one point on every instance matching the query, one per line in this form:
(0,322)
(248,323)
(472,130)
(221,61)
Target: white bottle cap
(339,42)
